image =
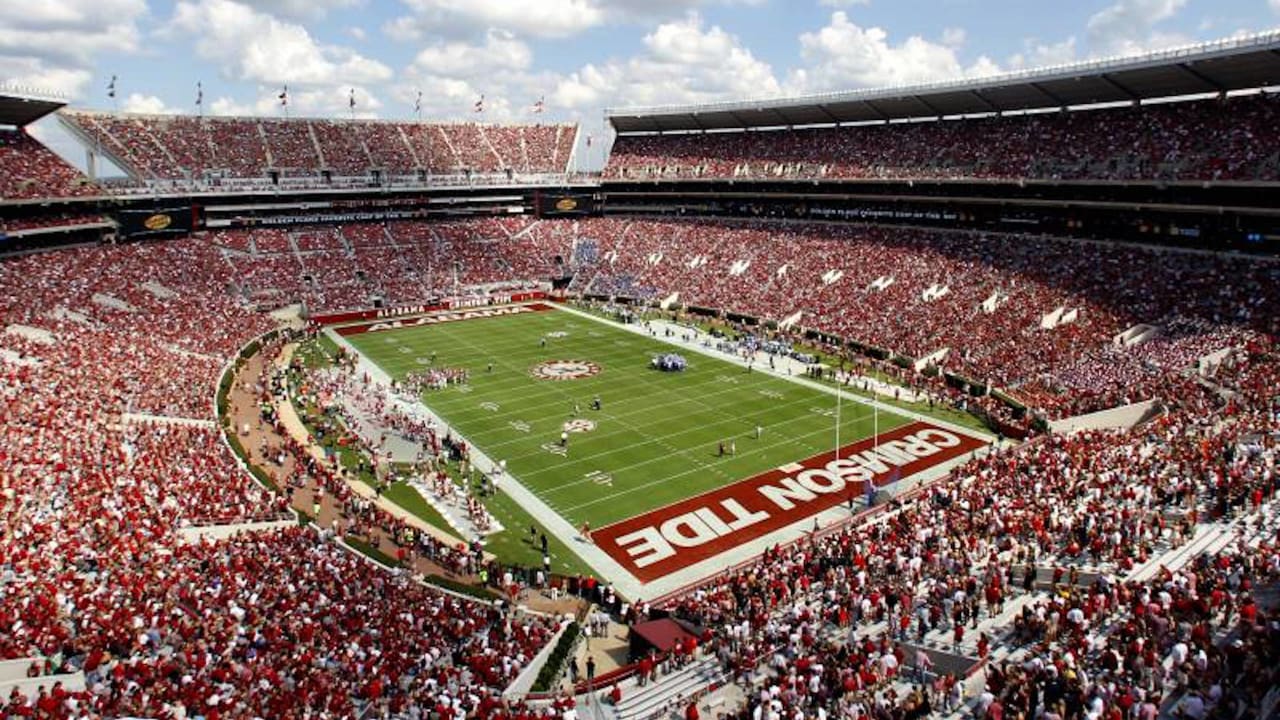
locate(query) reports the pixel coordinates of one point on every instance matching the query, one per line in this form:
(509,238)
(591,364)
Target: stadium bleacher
(176,148)
(1228,139)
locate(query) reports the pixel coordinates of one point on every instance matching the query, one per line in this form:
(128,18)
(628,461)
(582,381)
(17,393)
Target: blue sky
(582,55)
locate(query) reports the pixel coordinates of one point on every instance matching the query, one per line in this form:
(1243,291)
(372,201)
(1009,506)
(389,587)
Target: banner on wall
(157,221)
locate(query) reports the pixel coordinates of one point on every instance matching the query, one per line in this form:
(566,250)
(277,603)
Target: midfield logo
(565,370)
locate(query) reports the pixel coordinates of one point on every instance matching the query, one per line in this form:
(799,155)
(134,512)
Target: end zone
(442,317)
(668,539)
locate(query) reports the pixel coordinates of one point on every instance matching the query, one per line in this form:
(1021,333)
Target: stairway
(668,695)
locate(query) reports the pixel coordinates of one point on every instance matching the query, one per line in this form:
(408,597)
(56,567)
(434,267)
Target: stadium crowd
(1201,140)
(112,354)
(95,489)
(165,147)
(977,565)
(29,170)
(1036,318)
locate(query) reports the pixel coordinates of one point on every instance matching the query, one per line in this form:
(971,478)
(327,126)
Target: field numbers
(731,380)
(771,394)
(556,449)
(599,478)
(824,412)
(519,426)
(490,406)
(464,388)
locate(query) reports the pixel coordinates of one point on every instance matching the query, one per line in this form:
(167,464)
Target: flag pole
(839,403)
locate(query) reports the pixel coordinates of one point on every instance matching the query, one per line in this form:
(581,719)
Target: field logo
(566,205)
(557,334)
(565,370)
(581,425)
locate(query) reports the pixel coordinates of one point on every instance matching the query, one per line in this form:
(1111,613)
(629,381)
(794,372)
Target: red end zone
(444,317)
(668,539)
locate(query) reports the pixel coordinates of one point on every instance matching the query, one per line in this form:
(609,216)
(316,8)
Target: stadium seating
(107,449)
(106,452)
(1233,139)
(977,566)
(868,284)
(178,148)
(29,170)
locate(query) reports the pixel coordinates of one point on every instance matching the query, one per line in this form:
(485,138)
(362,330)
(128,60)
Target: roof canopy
(1242,63)
(21,107)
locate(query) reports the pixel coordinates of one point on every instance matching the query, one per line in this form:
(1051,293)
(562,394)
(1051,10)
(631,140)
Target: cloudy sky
(581,55)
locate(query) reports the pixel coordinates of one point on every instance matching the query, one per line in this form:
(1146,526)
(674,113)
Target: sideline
(696,346)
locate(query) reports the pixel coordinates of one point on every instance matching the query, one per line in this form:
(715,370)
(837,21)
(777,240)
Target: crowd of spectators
(988,300)
(1034,317)
(94,489)
(1227,139)
(48,221)
(978,565)
(182,148)
(28,169)
(93,486)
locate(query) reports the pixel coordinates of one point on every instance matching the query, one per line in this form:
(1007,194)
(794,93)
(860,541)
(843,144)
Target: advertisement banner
(157,222)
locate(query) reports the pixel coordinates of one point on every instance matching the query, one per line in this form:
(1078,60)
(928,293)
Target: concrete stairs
(669,694)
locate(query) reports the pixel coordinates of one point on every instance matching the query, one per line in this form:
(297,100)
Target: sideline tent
(660,635)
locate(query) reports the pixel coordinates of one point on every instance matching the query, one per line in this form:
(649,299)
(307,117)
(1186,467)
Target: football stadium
(951,397)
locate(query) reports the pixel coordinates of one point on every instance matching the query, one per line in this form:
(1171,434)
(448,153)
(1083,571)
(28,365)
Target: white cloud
(1275,5)
(452,75)
(1037,54)
(842,3)
(844,55)
(304,9)
(544,19)
(357,32)
(1129,26)
(147,104)
(228,106)
(548,18)
(45,76)
(52,43)
(954,37)
(500,51)
(255,46)
(683,62)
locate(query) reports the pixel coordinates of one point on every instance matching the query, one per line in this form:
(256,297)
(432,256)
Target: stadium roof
(1242,63)
(23,106)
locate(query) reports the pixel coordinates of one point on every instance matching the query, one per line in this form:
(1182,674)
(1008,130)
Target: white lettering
(812,480)
(742,518)
(782,496)
(647,546)
(699,532)
(849,470)
(941,438)
(894,452)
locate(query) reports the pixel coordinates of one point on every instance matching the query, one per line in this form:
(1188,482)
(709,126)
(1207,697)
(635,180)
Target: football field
(655,440)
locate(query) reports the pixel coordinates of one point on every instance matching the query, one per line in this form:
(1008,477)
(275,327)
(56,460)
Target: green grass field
(657,434)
